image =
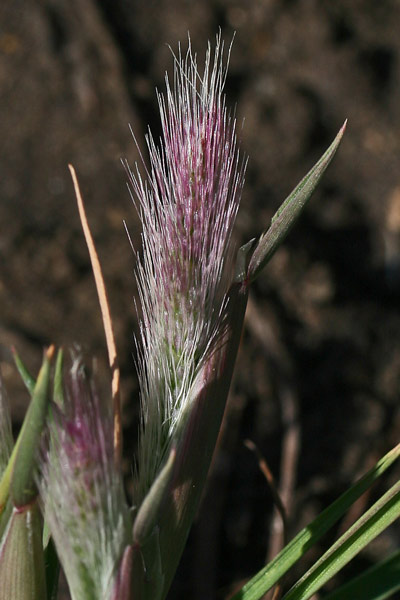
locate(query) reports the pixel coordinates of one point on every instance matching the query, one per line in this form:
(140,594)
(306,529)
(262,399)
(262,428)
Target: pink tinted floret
(188,206)
(82,491)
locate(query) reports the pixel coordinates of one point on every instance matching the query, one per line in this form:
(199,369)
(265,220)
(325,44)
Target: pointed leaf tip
(23,460)
(290,210)
(149,510)
(26,377)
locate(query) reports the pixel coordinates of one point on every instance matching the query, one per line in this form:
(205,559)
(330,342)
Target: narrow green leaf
(149,512)
(371,524)
(148,573)
(146,559)
(22,486)
(27,378)
(377,583)
(58,392)
(290,210)
(6,475)
(6,438)
(307,537)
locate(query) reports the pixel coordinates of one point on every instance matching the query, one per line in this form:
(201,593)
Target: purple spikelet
(188,207)
(82,491)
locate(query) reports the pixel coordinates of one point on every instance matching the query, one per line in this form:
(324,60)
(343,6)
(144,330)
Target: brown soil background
(317,383)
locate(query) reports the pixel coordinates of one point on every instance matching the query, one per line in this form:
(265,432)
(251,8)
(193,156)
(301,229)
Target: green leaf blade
(371,524)
(290,210)
(6,438)
(22,487)
(266,578)
(58,391)
(26,377)
(377,583)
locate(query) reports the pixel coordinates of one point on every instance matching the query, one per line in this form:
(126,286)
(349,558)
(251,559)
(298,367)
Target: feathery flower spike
(188,207)
(82,491)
